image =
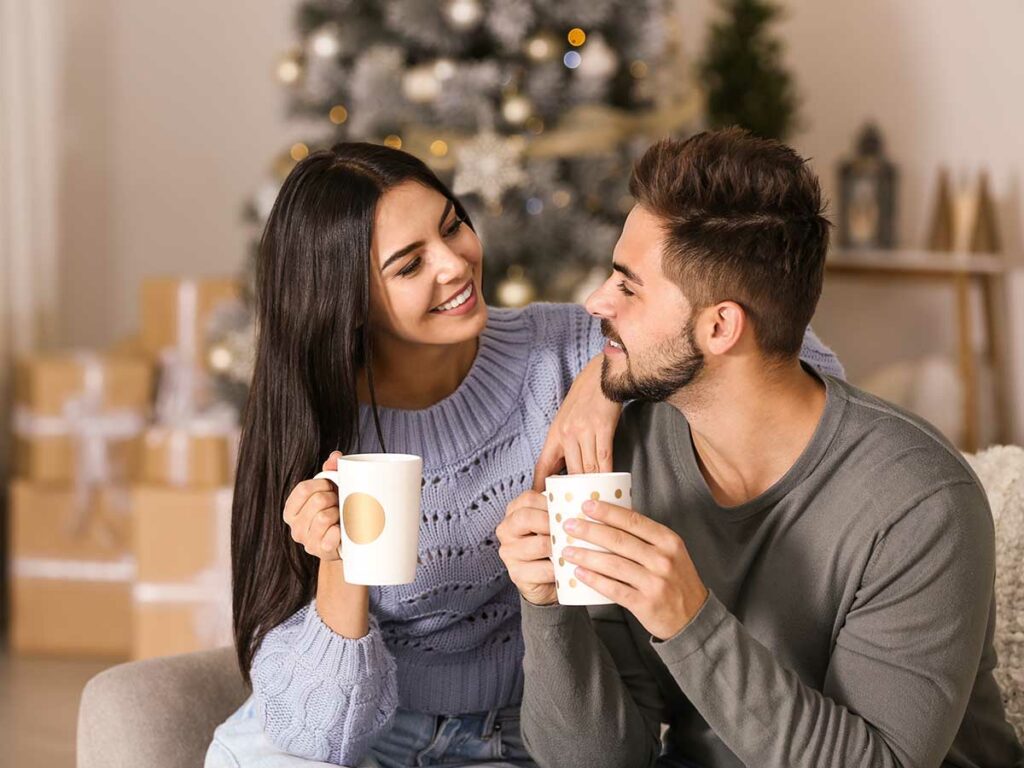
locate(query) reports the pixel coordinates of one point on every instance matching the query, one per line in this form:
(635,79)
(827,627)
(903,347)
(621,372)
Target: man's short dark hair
(744,222)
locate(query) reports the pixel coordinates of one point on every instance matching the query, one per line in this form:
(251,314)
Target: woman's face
(428,263)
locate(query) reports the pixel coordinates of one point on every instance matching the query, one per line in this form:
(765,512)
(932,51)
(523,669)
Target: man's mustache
(609,333)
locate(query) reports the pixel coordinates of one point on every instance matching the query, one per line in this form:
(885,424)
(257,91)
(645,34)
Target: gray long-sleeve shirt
(849,621)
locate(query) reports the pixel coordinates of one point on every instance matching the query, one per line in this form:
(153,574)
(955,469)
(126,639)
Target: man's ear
(728,324)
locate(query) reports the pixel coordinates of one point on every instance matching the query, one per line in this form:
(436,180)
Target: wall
(172,116)
(941,80)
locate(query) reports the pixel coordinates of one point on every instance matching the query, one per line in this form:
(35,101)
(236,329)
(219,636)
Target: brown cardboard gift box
(77,407)
(194,456)
(176,312)
(71,571)
(181,600)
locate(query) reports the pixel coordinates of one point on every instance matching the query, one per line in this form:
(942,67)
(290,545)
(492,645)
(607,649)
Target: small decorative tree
(743,73)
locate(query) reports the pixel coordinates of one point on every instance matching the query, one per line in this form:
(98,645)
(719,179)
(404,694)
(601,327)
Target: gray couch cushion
(159,713)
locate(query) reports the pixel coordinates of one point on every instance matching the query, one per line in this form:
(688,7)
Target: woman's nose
(450,265)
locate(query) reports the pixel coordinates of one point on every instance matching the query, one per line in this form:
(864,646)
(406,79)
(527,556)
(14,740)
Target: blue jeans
(489,739)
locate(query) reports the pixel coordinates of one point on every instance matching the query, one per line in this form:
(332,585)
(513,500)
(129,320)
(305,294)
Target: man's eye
(625,290)
(409,268)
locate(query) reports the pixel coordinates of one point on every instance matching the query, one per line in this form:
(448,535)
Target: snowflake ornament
(489,165)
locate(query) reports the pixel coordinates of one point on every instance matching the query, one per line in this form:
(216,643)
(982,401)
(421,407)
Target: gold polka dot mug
(379,498)
(566,495)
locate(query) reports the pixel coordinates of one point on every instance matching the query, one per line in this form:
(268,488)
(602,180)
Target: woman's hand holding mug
(311,512)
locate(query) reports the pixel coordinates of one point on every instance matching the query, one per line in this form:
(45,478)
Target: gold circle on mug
(364,518)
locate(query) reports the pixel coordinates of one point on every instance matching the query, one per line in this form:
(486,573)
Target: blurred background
(142,145)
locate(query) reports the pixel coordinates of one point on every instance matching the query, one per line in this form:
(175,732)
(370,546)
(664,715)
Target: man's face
(652,350)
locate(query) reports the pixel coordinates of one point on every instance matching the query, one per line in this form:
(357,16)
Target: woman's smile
(462,303)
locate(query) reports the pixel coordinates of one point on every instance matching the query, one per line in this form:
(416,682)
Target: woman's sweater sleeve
(322,696)
(823,359)
(590,341)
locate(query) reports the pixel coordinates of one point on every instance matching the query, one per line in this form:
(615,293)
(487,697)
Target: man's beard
(680,362)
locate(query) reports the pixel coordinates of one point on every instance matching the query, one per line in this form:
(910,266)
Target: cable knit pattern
(320,695)
(450,642)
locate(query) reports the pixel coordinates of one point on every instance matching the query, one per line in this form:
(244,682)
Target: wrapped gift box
(194,456)
(44,383)
(72,571)
(181,599)
(54,458)
(80,413)
(176,313)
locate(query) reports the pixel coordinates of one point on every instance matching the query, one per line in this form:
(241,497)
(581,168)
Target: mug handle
(333,476)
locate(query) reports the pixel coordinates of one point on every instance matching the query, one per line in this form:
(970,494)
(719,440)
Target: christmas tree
(743,75)
(532,111)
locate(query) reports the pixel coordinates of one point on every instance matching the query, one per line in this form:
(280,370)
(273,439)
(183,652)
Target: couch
(161,713)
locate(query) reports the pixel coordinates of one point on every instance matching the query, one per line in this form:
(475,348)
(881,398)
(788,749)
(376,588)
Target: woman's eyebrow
(418,244)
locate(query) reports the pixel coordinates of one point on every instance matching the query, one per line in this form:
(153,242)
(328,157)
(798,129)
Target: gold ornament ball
(338,114)
(515,290)
(577,37)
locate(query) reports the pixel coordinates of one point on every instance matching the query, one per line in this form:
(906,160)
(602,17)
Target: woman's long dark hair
(313,339)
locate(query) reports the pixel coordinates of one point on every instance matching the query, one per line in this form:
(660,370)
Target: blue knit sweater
(450,642)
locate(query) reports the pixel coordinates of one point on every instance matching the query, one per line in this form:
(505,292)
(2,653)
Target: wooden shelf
(959,271)
(937,263)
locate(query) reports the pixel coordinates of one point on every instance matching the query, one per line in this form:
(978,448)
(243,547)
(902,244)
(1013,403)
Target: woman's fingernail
(571,524)
(588,506)
(569,552)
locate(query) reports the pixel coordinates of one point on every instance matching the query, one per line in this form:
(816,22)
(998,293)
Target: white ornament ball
(444,69)
(420,84)
(515,290)
(517,109)
(463,14)
(220,358)
(325,41)
(599,59)
(289,68)
(542,47)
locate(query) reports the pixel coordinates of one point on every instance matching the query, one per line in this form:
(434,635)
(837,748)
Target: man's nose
(601,303)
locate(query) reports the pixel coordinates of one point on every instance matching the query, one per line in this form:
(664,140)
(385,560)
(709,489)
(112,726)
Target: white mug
(566,495)
(379,501)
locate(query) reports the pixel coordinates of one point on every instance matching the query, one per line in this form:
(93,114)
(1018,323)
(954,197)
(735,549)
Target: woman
(373,336)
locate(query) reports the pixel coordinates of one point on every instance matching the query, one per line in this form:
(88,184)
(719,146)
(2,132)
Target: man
(807,576)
